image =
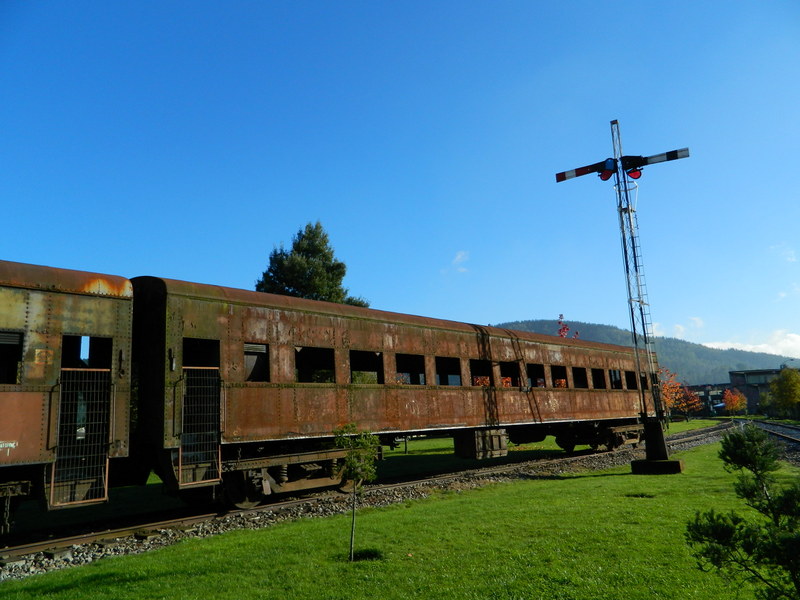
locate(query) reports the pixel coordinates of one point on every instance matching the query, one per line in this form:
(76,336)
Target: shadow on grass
(365,554)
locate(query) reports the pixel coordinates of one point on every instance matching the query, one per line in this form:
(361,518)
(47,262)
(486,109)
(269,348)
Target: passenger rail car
(65,341)
(241,391)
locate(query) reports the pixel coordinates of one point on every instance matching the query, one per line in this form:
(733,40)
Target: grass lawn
(427,455)
(594,536)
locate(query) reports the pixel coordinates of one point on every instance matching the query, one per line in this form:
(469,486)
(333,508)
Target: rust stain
(108,287)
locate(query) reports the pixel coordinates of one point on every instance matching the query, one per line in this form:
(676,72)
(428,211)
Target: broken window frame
(366,367)
(11,346)
(448,371)
(409,369)
(256,362)
(317,365)
(480,371)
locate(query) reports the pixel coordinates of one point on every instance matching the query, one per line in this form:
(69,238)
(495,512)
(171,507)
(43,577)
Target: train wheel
(566,444)
(242,490)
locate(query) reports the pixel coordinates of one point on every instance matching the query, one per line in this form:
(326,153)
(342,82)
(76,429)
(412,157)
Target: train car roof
(253,298)
(52,279)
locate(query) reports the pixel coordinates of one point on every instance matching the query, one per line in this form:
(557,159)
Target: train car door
(80,471)
(199,458)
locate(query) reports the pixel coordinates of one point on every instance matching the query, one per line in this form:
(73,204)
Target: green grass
(428,455)
(596,536)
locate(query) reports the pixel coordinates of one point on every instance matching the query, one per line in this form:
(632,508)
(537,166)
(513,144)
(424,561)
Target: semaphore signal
(625,170)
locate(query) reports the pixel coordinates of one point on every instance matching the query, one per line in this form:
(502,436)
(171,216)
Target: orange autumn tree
(735,401)
(676,396)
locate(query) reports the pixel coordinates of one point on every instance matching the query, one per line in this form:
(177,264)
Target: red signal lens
(635,173)
(606,175)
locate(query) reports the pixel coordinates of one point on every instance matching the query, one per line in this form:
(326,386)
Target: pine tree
(309,270)
(765,550)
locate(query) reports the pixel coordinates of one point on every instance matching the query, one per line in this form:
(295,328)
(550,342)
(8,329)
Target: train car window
(86,352)
(448,371)
(559,374)
(481,372)
(509,374)
(410,369)
(314,365)
(256,362)
(630,380)
(10,356)
(579,378)
(366,367)
(644,382)
(200,353)
(599,379)
(535,375)
(616,379)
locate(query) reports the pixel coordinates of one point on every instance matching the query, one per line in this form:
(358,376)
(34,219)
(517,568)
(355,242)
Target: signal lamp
(635,173)
(605,175)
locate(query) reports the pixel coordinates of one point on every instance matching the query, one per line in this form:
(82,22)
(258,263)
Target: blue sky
(187,139)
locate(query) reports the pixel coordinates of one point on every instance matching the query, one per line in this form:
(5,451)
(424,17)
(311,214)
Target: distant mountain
(695,364)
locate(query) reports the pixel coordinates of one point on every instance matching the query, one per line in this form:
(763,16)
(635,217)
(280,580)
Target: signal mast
(626,170)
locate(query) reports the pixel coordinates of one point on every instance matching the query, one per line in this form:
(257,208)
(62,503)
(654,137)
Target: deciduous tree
(309,270)
(765,550)
(563,328)
(784,394)
(676,396)
(735,401)
(359,465)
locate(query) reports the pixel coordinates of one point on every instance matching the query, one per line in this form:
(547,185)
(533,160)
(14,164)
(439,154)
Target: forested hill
(695,364)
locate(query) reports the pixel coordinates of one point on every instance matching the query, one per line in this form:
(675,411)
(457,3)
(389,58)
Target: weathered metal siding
(284,409)
(43,304)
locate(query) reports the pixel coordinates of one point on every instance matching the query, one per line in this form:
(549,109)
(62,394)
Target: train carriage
(245,389)
(65,341)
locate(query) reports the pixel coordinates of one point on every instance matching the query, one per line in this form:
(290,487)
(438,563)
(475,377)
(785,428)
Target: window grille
(80,471)
(199,456)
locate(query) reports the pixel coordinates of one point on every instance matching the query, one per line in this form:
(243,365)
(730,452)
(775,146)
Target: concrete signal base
(656,467)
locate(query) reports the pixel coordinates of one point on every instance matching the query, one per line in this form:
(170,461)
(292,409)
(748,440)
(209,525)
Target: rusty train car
(105,378)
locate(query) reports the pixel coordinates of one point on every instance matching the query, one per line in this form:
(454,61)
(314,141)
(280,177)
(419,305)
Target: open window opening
(559,374)
(10,356)
(200,353)
(643,379)
(256,362)
(599,379)
(86,352)
(410,369)
(314,365)
(535,372)
(448,371)
(366,367)
(630,380)
(616,379)
(579,377)
(509,374)
(481,371)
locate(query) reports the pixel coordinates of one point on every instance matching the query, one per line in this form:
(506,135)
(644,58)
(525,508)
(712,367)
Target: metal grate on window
(199,457)
(80,471)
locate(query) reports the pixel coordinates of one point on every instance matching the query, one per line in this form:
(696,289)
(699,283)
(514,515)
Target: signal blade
(595,168)
(671,155)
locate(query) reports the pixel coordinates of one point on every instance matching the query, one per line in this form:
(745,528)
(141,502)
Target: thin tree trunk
(353,526)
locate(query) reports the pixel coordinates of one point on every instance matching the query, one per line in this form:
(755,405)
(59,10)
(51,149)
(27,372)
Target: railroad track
(789,433)
(44,554)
